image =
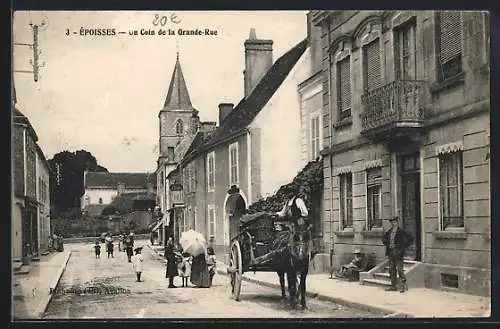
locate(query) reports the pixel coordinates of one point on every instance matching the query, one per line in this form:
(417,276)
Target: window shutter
(450,35)
(345,83)
(372,69)
(374,175)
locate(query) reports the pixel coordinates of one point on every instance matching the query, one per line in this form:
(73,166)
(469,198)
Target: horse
(294,261)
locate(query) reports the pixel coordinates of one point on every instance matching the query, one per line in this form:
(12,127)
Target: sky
(103,93)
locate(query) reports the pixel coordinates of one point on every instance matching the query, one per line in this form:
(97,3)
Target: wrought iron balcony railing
(397,104)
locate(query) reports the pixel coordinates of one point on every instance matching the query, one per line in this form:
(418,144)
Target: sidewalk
(417,302)
(31,292)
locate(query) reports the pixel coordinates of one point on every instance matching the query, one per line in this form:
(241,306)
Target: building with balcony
(406,133)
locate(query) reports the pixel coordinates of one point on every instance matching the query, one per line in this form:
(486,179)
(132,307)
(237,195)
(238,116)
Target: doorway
(235,207)
(410,202)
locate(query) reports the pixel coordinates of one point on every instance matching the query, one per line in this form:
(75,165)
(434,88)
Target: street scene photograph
(313,164)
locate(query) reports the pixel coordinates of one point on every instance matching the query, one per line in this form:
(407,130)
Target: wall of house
(279,124)
(18,159)
(107,194)
(43,197)
(467,253)
(16,228)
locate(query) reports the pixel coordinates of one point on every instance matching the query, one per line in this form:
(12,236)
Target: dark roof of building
(94,209)
(111,180)
(248,108)
(177,95)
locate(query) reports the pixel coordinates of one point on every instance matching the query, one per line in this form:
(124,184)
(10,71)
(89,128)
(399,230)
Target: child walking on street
(97,249)
(211,262)
(110,247)
(185,269)
(137,260)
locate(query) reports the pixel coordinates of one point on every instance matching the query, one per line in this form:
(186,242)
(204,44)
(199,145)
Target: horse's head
(302,244)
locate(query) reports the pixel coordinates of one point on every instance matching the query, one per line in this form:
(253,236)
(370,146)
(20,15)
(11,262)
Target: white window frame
(460,187)
(368,228)
(210,209)
(312,140)
(344,211)
(211,174)
(232,180)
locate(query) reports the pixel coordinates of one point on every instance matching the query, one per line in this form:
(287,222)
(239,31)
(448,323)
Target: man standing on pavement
(396,241)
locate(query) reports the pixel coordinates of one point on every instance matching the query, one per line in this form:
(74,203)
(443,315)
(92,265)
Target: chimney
(224,110)
(258,59)
(195,122)
(121,188)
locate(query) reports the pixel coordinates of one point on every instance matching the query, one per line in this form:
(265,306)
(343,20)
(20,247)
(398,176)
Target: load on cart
(266,243)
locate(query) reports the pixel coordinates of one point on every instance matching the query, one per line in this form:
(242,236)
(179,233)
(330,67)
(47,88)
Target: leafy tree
(66,179)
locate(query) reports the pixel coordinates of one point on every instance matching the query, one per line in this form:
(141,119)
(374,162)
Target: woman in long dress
(171,271)
(199,272)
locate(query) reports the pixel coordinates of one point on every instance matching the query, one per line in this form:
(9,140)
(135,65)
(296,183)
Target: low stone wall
(94,238)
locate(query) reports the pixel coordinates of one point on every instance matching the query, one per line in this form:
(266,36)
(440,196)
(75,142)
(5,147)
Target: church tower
(175,115)
(177,120)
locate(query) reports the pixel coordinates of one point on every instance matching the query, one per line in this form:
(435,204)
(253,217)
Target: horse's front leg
(291,277)
(281,275)
(302,288)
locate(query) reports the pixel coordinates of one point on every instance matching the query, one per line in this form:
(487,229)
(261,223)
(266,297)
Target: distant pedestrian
(120,242)
(97,249)
(129,245)
(137,261)
(396,241)
(109,249)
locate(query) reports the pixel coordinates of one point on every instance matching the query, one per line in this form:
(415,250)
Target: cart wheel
(236,275)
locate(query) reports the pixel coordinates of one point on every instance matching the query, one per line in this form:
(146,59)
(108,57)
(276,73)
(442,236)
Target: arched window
(100,200)
(179,127)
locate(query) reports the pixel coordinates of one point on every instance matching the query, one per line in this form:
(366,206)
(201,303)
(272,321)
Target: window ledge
(450,235)
(344,123)
(346,232)
(448,83)
(376,232)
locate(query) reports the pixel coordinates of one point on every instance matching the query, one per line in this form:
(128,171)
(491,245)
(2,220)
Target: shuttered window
(450,43)
(346,206)
(371,70)
(344,87)
(374,197)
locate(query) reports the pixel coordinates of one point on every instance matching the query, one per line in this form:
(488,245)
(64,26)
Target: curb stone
(383,312)
(53,287)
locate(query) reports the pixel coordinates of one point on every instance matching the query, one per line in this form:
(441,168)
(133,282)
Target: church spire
(177,96)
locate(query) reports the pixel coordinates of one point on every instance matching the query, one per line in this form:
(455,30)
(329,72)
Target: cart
(255,248)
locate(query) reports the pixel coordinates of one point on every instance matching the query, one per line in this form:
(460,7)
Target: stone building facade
(406,133)
(31,201)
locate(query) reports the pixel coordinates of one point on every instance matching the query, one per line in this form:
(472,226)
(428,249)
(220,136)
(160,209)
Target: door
(410,198)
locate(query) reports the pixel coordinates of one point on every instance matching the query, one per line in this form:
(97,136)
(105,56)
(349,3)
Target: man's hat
(395,218)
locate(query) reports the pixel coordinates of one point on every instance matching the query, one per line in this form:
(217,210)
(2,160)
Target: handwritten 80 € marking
(163,20)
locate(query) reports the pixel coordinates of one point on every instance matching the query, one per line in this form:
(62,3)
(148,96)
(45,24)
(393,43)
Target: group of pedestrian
(199,269)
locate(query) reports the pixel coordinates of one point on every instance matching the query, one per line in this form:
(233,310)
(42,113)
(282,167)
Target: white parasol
(193,243)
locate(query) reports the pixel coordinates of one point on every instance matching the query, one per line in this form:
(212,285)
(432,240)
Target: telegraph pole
(36,52)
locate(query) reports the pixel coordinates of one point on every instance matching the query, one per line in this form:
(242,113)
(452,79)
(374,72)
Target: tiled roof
(248,108)
(111,180)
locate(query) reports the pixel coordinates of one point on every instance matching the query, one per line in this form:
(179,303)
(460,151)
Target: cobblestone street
(106,288)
